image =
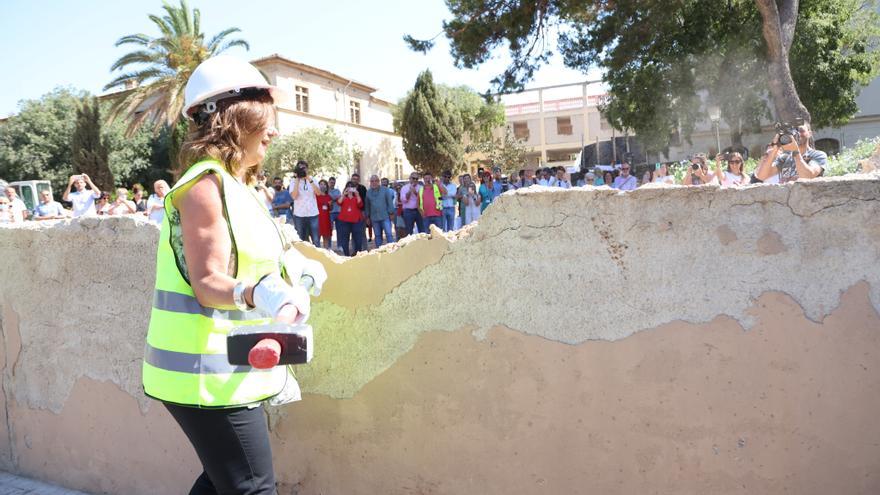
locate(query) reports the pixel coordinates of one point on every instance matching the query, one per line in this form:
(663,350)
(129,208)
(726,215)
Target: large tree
(89,147)
(324,150)
(665,61)
(35,142)
(154,75)
(479,115)
(431,128)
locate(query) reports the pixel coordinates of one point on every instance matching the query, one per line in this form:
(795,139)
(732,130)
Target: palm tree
(155,74)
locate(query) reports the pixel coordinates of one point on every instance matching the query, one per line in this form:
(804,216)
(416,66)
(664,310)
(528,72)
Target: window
(604,125)
(355,111)
(302,99)
(521,130)
(563,126)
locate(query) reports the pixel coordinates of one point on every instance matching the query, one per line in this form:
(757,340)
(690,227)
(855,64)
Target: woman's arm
(206,243)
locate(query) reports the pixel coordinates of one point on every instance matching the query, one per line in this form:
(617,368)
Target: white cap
(224,76)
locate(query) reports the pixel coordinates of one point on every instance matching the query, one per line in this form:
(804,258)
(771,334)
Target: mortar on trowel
(265,346)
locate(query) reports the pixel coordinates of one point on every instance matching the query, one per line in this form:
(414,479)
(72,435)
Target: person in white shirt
(698,173)
(122,205)
(19,209)
(661,176)
(734,175)
(304,191)
(156,202)
(546,179)
(560,179)
(625,181)
(449,201)
(83,200)
(5,210)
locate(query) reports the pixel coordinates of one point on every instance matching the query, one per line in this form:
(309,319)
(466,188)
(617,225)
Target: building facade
(319,98)
(557,122)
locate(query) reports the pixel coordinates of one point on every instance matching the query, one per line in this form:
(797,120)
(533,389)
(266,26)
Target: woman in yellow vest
(217,267)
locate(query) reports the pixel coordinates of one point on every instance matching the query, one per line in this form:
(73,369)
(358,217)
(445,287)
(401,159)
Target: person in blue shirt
(282,201)
(49,209)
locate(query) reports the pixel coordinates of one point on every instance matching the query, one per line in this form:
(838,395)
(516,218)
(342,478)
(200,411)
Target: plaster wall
(667,340)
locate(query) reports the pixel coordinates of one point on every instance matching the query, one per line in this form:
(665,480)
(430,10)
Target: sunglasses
(734,161)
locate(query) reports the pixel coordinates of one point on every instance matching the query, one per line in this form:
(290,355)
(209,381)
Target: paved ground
(16,485)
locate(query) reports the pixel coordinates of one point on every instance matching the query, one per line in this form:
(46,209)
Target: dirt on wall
(668,340)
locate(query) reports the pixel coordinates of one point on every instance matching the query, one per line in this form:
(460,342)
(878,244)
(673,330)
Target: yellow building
(320,98)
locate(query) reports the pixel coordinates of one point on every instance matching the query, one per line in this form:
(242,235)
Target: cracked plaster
(566,265)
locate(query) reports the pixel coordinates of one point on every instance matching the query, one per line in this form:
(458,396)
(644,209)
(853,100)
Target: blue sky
(64,43)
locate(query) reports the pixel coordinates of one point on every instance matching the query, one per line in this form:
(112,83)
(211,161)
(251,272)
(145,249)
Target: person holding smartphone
(82,199)
(304,192)
(350,219)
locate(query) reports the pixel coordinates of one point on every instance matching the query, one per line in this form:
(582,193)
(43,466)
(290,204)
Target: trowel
(265,346)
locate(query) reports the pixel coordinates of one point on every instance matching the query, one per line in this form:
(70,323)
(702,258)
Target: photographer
(789,156)
(82,199)
(266,194)
(121,205)
(698,173)
(350,220)
(471,200)
(409,197)
(734,175)
(304,190)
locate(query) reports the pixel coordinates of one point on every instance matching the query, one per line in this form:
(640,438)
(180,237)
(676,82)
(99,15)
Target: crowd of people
(382,212)
(85,198)
(385,211)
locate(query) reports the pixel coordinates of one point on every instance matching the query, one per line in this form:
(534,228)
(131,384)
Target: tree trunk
(780,18)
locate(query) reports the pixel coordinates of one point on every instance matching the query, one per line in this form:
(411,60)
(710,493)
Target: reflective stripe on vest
(185,358)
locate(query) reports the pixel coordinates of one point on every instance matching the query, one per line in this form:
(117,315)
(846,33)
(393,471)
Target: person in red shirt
(350,220)
(430,205)
(325,229)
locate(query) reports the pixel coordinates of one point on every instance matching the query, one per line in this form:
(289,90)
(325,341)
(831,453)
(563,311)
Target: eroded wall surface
(686,340)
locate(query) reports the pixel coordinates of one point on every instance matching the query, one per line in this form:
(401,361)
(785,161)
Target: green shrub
(847,161)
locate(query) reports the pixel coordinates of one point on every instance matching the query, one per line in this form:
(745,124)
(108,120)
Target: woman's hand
(287,314)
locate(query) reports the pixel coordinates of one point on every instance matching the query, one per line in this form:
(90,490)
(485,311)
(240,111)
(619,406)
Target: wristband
(238,297)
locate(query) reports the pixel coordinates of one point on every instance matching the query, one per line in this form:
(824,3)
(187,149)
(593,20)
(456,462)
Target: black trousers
(233,445)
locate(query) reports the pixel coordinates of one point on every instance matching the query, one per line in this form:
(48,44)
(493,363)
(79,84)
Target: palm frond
(197,25)
(215,41)
(233,43)
(163,25)
(137,39)
(138,77)
(136,57)
(163,65)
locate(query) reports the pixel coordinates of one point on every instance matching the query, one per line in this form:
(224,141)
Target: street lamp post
(715,116)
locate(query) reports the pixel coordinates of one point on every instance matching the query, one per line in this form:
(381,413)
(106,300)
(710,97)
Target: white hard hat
(223,77)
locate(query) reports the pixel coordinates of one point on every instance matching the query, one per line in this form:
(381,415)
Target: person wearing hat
(218,266)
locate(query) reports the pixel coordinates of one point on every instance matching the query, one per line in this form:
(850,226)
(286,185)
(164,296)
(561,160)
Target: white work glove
(301,270)
(272,293)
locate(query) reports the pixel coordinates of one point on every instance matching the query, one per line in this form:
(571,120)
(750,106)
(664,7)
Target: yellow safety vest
(185,359)
(438,202)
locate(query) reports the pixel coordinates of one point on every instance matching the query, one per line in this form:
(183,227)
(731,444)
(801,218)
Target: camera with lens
(300,170)
(787,131)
